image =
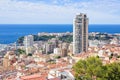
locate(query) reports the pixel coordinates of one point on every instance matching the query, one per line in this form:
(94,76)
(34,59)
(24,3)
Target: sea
(9,33)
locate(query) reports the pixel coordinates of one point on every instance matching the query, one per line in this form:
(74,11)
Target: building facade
(28,43)
(80,33)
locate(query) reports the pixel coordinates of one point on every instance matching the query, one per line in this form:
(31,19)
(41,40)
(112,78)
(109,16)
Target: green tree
(30,54)
(89,69)
(57,57)
(93,69)
(113,71)
(66,38)
(20,51)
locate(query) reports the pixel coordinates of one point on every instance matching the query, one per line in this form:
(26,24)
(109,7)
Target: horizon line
(56,24)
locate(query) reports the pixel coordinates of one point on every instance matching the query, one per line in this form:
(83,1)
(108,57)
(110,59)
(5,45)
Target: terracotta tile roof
(55,78)
(34,77)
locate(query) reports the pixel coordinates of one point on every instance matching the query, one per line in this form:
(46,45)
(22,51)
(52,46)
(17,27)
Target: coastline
(9,33)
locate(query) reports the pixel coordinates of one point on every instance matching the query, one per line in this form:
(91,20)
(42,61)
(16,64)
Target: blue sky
(58,11)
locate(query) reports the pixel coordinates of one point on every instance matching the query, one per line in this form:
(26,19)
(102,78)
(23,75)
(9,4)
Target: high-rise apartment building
(80,33)
(28,43)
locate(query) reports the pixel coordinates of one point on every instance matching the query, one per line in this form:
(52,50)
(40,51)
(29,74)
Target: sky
(58,11)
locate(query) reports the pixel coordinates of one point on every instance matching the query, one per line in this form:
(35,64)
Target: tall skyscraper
(28,43)
(80,33)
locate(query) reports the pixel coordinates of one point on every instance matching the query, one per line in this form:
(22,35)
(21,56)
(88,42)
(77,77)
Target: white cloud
(41,13)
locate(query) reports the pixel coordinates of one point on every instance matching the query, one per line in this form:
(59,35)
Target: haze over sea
(9,33)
